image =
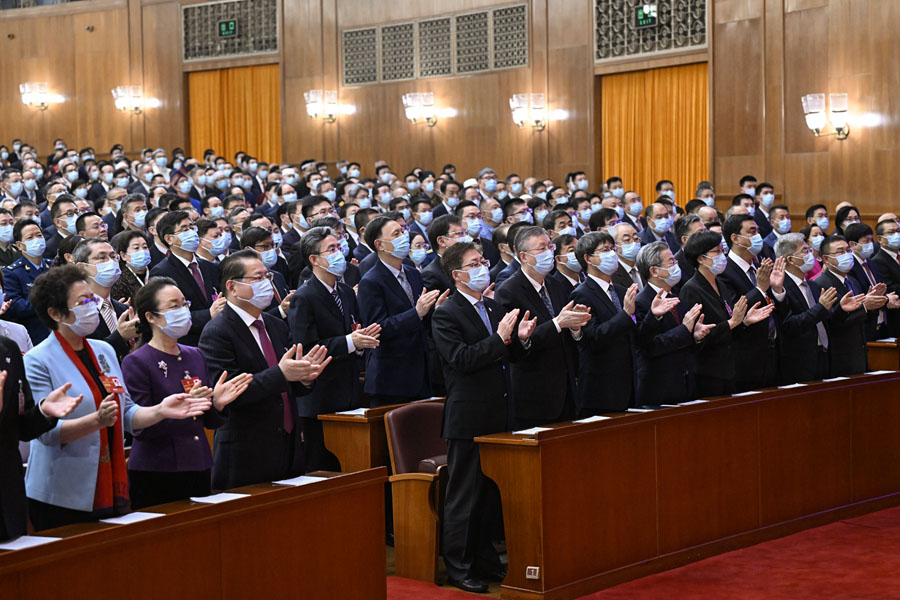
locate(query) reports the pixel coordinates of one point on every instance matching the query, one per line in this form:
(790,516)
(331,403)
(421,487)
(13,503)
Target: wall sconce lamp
(419,108)
(529,109)
(35,94)
(816,120)
(323,105)
(129,98)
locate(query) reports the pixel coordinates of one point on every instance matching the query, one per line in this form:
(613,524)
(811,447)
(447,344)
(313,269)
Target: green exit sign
(645,16)
(228,28)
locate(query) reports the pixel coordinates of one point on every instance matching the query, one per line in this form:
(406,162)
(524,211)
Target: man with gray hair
(668,332)
(487,182)
(801,306)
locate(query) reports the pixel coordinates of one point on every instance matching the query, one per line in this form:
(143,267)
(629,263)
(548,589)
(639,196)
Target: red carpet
(856,558)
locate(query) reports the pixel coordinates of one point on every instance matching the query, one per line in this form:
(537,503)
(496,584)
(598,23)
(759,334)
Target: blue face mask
(108,178)
(661,226)
(35,247)
(619,193)
(473,227)
(418,255)
(567,231)
(139,218)
(161,161)
(720,261)
(809,262)
(620,210)
(70,224)
(219,245)
(353,173)
(15,189)
(400,246)
(269,258)
(527,218)
(178,322)
(345,247)
(425,217)
(544,262)
(412,186)
(222,184)
(635,208)
(406,214)
(30,184)
(630,251)
(79,193)
(497,215)
(331,195)
(184,186)
(783,226)
(95,175)
(541,214)
(122,182)
(139,259)
(263,175)
(364,202)
(190,241)
(584,215)
(893,240)
(107,273)
(674,275)
(515,188)
(572,262)
(452,201)
(289,197)
(217,211)
(541,195)
(609,263)
(709,201)
(767,200)
(384,197)
(756,244)
(822,222)
(6,234)
(670,194)
(867,250)
(845,262)
(337,264)
(490,185)
(277,239)
(817,240)
(479,279)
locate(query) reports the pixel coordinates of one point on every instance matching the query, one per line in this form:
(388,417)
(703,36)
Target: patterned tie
(482,312)
(337,300)
(820,328)
(751,273)
(109,316)
(882,315)
(636,278)
(546,300)
(405,284)
(195,271)
(272,360)
(614,297)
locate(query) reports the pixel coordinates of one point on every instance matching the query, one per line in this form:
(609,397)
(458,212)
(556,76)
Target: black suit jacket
(847,349)
(361,252)
(798,337)
(687,271)
(495,270)
(543,383)
(290,238)
(475,368)
(13,428)
(605,361)
(156,255)
(889,272)
(489,250)
(714,357)
(97,191)
(647,237)
(251,446)
(315,318)
(623,279)
(433,276)
(53,245)
(665,361)
(113,338)
(873,332)
(172,267)
(762,221)
(507,272)
(563,280)
(638,223)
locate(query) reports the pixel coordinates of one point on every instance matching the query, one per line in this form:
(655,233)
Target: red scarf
(112,478)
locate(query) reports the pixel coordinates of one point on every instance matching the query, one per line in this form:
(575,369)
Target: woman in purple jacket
(171,460)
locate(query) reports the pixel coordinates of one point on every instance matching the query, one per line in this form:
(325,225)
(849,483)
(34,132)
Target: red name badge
(188,383)
(112,384)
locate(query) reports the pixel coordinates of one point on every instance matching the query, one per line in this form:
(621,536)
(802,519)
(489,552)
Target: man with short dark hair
(866,274)
(20,275)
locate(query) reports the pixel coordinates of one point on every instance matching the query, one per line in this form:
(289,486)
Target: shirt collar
(743,264)
(394,272)
(626,267)
(246,317)
(537,286)
(327,287)
(572,281)
(186,263)
(656,289)
(891,253)
(472,300)
(604,285)
(794,278)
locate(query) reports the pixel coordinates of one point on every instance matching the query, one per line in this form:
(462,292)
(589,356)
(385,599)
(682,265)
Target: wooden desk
(593,505)
(322,540)
(360,441)
(884,356)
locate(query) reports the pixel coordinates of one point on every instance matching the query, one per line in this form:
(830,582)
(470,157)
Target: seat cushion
(430,465)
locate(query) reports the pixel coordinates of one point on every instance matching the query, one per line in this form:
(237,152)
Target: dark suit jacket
(475,367)
(647,237)
(495,270)
(110,219)
(489,250)
(665,354)
(439,211)
(562,279)
(289,239)
(847,349)
(315,318)
(605,363)
(433,276)
(507,272)
(623,279)
(635,221)
(172,267)
(113,338)
(13,428)
(714,357)
(762,221)
(687,271)
(360,252)
(52,246)
(543,383)
(398,367)
(97,191)
(859,276)
(251,446)
(798,337)
(156,255)
(889,272)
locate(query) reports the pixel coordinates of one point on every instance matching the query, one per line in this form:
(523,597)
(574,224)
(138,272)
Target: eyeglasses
(847,250)
(86,301)
(188,228)
(187,304)
(255,279)
(456,234)
(264,247)
(551,247)
(476,264)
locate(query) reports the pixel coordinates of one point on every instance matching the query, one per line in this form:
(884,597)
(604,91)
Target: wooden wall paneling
(875,458)
(539,67)
(165,126)
(774,109)
(135,68)
(302,50)
(331,74)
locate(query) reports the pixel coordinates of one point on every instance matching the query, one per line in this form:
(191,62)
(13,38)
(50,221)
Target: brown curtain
(236,109)
(655,125)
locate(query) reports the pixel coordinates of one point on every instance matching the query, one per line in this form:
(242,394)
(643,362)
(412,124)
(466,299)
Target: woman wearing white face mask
(133,251)
(814,237)
(171,460)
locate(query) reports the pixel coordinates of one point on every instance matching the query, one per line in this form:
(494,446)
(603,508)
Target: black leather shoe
(498,574)
(475,586)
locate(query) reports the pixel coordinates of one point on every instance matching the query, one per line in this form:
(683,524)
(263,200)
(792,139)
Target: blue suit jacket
(18,279)
(398,367)
(67,475)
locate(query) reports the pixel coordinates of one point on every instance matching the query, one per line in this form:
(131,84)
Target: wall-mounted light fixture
(35,94)
(529,109)
(323,105)
(129,98)
(816,118)
(419,108)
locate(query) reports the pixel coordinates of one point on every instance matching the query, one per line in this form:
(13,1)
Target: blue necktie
(482,312)
(546,299)
(614,297)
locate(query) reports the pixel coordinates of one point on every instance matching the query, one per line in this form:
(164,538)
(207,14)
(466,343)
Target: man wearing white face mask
(117,325)
(628,244)
(859,236)
(887,233)
(8,252)
(197,280)
(487,182)
(658,227)
(450,195)
(780,219)
(765,194)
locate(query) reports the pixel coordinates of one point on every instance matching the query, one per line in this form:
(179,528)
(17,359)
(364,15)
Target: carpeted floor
(853,559)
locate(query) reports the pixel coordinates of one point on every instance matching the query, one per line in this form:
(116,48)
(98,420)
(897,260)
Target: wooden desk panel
(282,542)
(884,356)
(592,505)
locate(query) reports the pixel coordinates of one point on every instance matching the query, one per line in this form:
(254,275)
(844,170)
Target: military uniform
(18,279)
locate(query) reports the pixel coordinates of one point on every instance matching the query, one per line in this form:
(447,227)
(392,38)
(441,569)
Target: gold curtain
(655,125)
(236,109)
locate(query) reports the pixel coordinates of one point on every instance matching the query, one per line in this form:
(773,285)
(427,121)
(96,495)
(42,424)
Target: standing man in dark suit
(887,233)
(475,343)
(658,226)
(261,439)
(324,312)
(445,231)
(860,238)
(197,280)
(392,295)
(685,227)
(544,382)
(627,246)
(568,270)
(21,419)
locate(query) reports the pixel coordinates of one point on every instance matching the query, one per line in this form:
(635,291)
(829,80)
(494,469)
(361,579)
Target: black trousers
(471,507)
(318,457)
(149,488)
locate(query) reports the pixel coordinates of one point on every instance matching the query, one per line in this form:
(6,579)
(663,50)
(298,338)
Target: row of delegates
(77,469)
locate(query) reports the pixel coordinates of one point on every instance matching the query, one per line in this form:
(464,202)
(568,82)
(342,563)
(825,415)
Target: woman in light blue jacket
(76,471)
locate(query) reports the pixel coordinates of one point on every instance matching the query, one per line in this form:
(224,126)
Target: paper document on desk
(218,498)
(593,419)
(135,517)
(356,411)
(639,410)
(889,340)
(302,480)
(745,393)
(792,385)
(693,402)
(879,372)
(26,541)
(531,431)
(834,379)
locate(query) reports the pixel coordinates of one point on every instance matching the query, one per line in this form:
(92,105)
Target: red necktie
(674,311)
(195,271)
(272,359)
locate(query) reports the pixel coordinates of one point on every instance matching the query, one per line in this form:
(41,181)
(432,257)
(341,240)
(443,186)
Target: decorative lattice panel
(360,55)
(472,43)
(681,25)
(398,52)
(436,47)
(510,31)
(257,29)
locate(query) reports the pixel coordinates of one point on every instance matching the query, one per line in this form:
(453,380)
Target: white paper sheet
(531,431)
(356,411)
(745,393)
(889,340)
(218,498)
(639,410)
(302,480)
(26,541)
(693,402)
(793,385)
(879,372)
(593,419)
(834,379)
(134,517)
